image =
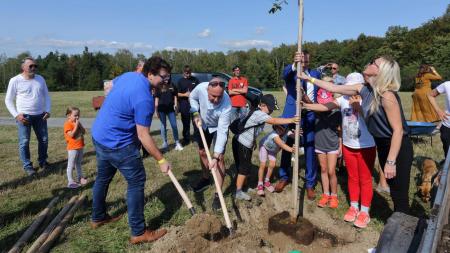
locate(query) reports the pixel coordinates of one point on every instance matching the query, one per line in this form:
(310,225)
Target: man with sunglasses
(31,110)
(337,79)
(184,87)
(211,106)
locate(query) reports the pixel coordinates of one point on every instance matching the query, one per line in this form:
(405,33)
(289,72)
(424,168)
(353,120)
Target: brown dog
(429,169)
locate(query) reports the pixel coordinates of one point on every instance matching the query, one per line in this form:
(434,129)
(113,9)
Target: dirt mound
(206,233)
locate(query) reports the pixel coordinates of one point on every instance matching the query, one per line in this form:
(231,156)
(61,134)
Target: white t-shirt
(31,96)
(445,88)
(354,130)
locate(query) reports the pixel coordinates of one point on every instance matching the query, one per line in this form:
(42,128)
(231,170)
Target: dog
(429,170)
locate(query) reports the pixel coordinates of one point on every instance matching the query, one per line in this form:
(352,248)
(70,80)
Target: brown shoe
(148,236)
(108,219)
(310,193)
(280,185)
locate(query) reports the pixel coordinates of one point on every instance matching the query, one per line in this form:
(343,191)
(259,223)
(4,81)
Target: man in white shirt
(31,109)
(211,106)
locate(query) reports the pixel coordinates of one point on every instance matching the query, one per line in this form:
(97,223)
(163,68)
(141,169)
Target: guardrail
(439,213)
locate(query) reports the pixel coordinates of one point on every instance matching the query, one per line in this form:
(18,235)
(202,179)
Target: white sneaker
(178,146)
(164,146)
(242,196)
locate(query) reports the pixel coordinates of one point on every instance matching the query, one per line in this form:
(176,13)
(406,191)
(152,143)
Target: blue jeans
(173,124)
(39,126)
(128,161)
(284,172)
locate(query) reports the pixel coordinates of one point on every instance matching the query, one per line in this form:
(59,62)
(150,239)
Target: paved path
(87,123)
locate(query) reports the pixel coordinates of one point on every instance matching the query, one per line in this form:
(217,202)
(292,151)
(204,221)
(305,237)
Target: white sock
(354,204)
(260,183)
(365,209)
(266,179)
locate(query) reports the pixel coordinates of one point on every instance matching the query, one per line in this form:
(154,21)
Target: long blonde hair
(388,79)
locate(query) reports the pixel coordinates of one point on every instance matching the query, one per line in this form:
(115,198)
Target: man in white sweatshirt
(31,109)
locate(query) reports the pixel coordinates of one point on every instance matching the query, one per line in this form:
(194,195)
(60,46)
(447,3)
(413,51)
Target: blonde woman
(386,122)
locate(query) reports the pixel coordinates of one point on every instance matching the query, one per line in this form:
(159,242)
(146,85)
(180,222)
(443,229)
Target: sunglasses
(33,66)
(217,83)
(334,68)
(372,62)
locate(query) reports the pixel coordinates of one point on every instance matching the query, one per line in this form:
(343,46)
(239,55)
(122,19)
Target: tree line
(429,43)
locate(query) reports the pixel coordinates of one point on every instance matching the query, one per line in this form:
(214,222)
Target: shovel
(181,192)
(218,188)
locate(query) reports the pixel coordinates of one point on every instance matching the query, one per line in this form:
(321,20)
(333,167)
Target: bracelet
(195,113)
(163,160)
(312,80)
(390,162)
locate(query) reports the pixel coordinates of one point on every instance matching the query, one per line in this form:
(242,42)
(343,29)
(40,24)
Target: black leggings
(445,138)
(399,185)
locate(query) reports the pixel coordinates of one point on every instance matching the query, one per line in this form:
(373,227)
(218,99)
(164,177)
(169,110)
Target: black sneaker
(202,185)
(216,203)
(44,166)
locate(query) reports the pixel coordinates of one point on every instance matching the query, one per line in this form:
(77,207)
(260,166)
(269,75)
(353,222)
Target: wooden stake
(61,226)
(33,227)
(218,187)
(295,194)
(182,193)
(41,239)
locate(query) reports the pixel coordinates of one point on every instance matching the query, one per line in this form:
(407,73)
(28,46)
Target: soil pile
(206,233)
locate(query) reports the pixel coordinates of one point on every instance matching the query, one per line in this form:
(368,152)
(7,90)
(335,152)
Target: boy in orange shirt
(73,133)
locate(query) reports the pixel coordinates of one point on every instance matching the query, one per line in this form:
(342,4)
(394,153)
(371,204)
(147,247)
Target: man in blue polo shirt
(307,123)
(121,126)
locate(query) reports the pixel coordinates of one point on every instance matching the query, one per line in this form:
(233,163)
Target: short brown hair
(70,109)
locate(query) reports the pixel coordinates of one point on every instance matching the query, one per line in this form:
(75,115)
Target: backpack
(237,127)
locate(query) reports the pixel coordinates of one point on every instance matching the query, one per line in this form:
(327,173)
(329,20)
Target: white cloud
(205,33)
(50,42)
(170,48)
(6,40)
(246,44)
(260,30)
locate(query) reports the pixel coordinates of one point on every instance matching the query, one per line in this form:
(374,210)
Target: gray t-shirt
(247,138)
(269,143)
(326,136)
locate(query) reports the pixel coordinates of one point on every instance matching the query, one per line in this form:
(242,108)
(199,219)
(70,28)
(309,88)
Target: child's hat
(269,101)
(354,78)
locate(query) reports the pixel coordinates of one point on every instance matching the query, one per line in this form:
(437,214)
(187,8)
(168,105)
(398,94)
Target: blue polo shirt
(129,103)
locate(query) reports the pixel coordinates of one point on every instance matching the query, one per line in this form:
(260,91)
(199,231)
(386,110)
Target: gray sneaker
(30,172)
(240,195)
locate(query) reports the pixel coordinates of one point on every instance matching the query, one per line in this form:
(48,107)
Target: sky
(145,26)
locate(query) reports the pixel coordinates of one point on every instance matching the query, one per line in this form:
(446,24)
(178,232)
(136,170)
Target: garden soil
(206,233)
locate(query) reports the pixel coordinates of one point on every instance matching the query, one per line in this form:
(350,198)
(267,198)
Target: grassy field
(22,197)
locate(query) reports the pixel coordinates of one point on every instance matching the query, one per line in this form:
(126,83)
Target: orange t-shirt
(238,83)
(76,142)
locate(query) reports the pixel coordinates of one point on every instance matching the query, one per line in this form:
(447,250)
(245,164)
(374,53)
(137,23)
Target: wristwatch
(390,162)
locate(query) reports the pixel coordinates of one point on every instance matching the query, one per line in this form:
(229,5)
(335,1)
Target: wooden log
(61,226)
(33,227)
(41,239)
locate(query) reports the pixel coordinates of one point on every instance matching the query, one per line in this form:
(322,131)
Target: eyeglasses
(334,68)
(217,83)
(33,66)
(165,78)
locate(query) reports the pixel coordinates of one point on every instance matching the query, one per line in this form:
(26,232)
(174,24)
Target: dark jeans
(186,119)
(445,138)
(128,161)
(399,185)
(39,126)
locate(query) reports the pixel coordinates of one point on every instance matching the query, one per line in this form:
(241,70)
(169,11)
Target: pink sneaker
(362,220)
(268,186)
(260,191)
(350,215)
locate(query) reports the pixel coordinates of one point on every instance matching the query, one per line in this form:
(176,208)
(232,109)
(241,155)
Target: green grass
(22,198)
